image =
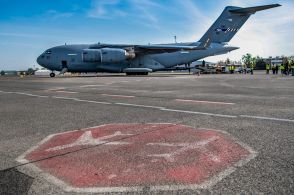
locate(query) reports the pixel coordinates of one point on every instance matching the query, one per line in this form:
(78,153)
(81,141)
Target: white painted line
(65,98)
(267,118)
(5,92)
(121,96)
(80,100)
(155,107)
(91,101)
(66,92)
(204,102)
(54,89)
(93,86)
(28,94)
(200,113)
(138,105)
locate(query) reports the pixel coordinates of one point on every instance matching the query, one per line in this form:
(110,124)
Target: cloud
(142,12)
(105,9)
(24,35)
(196,18)
(53,14)
(145,9)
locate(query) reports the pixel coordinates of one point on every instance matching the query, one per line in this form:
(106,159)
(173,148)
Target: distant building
(278,60)
(10,73)
(42,72)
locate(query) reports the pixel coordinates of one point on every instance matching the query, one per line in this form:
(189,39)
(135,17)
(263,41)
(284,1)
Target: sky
(29,27)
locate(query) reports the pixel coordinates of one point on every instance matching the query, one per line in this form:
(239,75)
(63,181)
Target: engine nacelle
(107,55)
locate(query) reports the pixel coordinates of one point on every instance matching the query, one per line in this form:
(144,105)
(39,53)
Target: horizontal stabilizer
(252,10)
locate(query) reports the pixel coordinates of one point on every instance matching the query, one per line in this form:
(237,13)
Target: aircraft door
(64,64)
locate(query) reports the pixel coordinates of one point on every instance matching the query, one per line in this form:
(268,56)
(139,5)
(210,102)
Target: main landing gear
(136,73)
(52,74)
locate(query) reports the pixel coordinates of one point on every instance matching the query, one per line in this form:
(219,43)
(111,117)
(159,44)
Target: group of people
(244,70)
(286,68)
(231,69)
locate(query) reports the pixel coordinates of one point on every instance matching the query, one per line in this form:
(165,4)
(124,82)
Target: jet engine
(107,55)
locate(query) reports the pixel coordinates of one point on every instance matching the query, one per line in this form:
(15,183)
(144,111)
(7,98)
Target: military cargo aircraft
(142,59)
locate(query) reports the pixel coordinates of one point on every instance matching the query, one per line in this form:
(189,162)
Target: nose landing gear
(52,74)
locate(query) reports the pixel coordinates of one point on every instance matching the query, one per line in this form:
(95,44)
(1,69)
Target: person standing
(286,66)
(267,67)
(274,68)
(292,67)
(277,69)
(282,67)
(231,69)
(251,68)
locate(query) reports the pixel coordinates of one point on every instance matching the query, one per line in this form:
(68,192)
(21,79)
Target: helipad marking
(205,102)
(87,139)
(113,176)
(185,147)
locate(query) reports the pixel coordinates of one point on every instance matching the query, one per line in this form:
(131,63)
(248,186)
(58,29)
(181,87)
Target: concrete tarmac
(257,110)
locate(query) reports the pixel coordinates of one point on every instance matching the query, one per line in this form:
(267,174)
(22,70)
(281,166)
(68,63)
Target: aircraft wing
(151,49)
(166,48)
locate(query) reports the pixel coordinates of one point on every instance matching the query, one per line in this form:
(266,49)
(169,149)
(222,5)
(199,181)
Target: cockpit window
(48,52)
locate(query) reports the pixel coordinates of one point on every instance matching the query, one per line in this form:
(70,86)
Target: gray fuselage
(71,57)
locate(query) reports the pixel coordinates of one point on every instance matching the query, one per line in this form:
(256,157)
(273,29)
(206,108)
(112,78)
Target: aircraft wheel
(52,74)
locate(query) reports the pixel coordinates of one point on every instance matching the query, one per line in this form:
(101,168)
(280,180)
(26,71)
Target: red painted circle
(122,155)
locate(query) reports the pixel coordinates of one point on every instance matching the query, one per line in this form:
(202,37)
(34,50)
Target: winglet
(253,10)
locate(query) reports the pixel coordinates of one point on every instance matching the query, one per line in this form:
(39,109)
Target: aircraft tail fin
(230,22)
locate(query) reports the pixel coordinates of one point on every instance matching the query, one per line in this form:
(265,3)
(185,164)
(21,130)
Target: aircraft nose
(40,60)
